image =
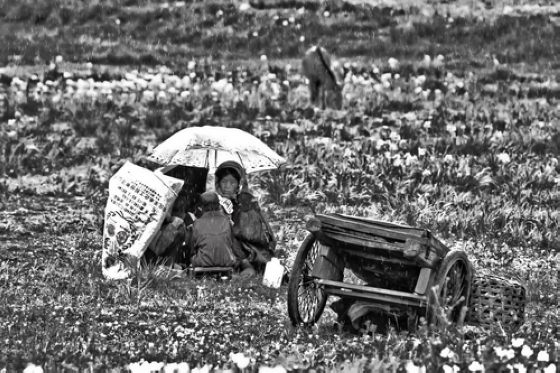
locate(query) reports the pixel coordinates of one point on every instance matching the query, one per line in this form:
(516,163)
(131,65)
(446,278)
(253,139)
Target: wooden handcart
(399,264)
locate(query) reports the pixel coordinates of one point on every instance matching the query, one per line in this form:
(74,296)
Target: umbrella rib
(241,161)
(241,151)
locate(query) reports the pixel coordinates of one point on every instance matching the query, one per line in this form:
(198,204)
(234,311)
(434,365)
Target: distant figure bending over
(324,78)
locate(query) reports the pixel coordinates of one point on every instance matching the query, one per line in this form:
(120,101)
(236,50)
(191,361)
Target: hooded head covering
(209,197)
(237,169)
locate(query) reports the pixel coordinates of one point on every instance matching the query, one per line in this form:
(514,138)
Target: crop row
(433,149)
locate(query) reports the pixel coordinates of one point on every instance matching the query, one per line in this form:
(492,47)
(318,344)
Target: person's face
(229,185)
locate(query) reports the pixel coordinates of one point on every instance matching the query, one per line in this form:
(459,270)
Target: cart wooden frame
(400,265)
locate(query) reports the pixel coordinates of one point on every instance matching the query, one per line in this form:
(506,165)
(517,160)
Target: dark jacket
(212,241)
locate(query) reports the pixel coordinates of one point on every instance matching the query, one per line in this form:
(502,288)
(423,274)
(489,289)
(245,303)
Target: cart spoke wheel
(306,298)
(454,282)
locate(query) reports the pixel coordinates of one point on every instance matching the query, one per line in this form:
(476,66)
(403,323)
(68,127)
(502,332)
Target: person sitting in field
(212,236)
(254,242)
(168,247)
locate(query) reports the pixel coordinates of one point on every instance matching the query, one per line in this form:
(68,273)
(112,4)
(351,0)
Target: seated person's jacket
(212,241)
(186,203)
(250,225)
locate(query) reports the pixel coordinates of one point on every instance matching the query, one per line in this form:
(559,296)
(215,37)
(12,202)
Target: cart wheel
(454,281)
(306,299)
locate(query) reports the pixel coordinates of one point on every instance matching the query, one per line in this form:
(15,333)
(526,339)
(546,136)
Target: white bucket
(273,274)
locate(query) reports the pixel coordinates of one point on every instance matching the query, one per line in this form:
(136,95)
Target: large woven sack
(139,200)
(497,301)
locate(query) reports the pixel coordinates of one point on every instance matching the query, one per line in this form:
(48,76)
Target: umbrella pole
(211,165)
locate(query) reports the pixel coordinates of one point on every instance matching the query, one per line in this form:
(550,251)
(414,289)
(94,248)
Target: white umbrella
(208,147)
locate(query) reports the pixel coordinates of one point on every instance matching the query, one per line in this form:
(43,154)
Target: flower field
(467,149)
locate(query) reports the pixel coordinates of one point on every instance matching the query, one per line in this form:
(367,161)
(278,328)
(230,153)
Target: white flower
(550,369)
(263,57)
(161,95)
(497,136)
(326,14)
(394,136)
(155,367)
(412,368)
(134,367)
(446,353)
(526,351)
(58,59)
(276,369)
(427,124)
(505,159)
(244,6)
(32,368)
(393,63)
(302,38)
(504,354)
(476,366)
(543,356)
(426,173)
(448,158)
(421,152)
(518,342)
(148,95)
(118,21)
(204,369)
(170,368)
(520,368)
(240,360)
(285,23)
(448,369)
(183,368)
(411,159)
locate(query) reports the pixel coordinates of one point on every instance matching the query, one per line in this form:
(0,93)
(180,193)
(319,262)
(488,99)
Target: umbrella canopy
(208,147)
